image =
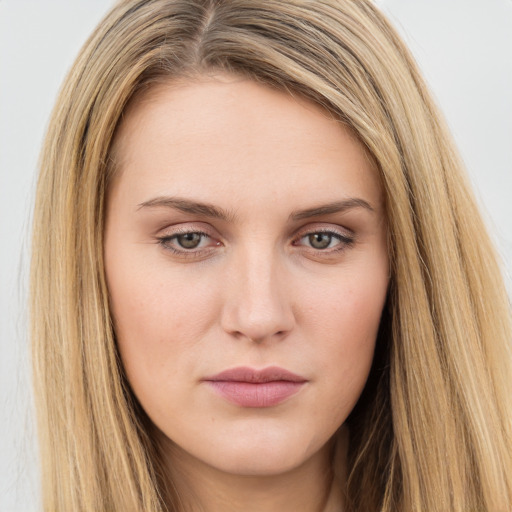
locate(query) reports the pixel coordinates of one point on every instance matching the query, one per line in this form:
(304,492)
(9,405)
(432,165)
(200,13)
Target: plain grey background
(464,48)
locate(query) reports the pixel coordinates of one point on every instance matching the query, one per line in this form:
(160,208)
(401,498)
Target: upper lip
(246,374)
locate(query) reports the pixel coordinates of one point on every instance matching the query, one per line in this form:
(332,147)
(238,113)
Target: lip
(249,387)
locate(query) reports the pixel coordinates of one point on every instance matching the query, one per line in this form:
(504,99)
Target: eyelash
(345,241)
(165,242)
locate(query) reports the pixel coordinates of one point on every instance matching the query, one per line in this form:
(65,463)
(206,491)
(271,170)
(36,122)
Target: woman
(259,277)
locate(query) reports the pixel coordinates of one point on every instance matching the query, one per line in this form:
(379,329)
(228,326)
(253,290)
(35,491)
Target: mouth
(248,387)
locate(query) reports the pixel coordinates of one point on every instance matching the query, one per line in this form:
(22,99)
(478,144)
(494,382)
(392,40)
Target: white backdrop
(463,46)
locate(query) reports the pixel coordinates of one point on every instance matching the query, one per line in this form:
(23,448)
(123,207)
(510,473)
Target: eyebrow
(209,210)
(188,206)
(331,208)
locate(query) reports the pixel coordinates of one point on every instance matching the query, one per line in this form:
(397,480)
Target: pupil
(189,240)
(320,240)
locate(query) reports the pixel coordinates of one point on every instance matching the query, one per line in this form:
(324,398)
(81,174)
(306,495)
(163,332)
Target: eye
(187,243)
(325,241)
(321,240)
(189,240)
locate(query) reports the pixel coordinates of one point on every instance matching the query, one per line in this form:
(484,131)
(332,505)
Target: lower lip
(260,394)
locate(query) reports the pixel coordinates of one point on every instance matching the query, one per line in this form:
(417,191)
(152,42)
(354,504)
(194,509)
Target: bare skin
(206,490)
(245,229)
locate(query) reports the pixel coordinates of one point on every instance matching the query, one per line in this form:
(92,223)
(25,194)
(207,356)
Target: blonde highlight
(433,430)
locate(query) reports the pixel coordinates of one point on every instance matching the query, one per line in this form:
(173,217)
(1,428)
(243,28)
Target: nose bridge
(258,305)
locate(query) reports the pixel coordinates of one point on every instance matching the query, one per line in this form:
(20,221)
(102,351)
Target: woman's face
(247,266)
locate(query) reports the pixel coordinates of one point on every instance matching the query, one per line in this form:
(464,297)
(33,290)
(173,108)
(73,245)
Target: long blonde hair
(432,431)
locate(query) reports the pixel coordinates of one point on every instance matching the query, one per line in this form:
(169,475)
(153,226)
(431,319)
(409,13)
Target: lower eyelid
(168,243)
(175,236)
(343,238)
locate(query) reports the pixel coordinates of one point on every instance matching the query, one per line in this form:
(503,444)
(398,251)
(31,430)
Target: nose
(258,303)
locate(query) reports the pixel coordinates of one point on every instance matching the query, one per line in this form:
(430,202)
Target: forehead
(223,134)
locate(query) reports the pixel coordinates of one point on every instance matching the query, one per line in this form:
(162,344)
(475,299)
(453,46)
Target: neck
(311,487)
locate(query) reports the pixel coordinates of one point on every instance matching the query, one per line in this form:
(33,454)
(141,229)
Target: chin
(262,453)
(260,463)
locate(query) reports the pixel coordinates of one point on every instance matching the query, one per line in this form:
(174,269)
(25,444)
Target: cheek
(346,311)
(160,317)
(343,322)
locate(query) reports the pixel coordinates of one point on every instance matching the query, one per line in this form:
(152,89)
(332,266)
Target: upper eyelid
(167,241)
(338,230)
(176,234)
(207,230)
(184,228)
(178,229)
(343,239)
